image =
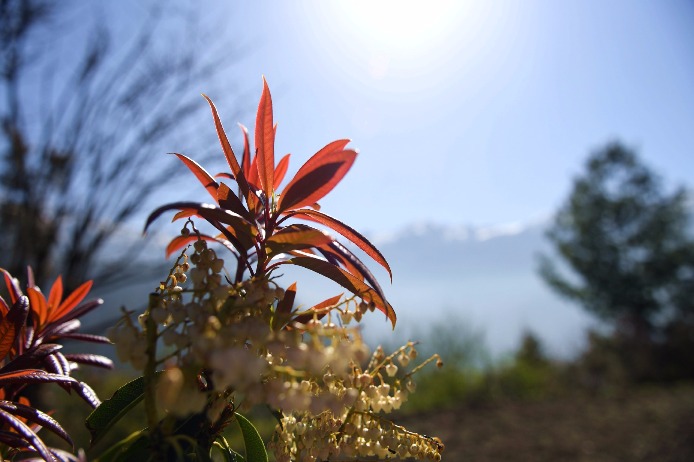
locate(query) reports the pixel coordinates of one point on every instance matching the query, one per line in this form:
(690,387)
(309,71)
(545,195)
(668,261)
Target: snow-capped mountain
(486,276)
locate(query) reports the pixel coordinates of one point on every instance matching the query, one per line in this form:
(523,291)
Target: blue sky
(463,112)
(472,113)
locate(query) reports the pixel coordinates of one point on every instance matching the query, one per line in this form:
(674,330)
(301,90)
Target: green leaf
(134,447)
(112,410)
(222,445)
(255,448)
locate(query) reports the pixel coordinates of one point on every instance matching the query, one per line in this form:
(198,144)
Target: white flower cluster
(229,342)
(359,430)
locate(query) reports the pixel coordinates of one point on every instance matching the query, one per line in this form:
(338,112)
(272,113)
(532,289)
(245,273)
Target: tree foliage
(627,241)
(76,130)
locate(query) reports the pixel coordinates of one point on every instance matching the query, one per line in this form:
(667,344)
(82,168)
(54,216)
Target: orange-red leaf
(339,260)
(347,281)
(14,375)
(56,293)
(316,178)
(242,236)
(228,151)
(296,237)
(328,303)
(346,231)
(38,305)
(319,309)
(201,174)
(229,201)
(281,170)
(12,286)
(4,309)
(72,300)
(253,184)
(184,214)
(179,242)
(246,159)
(11,325)
(265,142)
(285,305)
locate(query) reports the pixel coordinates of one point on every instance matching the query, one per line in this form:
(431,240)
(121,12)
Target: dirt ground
(649,424)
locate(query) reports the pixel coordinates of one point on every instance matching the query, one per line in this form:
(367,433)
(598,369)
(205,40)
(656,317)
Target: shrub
(30,329)
(219,338)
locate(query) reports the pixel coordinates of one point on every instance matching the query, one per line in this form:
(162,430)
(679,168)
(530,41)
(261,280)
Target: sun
(401,28)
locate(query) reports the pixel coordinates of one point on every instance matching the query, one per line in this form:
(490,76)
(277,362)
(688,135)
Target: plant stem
(150,379)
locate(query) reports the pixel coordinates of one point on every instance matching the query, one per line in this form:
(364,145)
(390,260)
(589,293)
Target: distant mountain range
(483,276)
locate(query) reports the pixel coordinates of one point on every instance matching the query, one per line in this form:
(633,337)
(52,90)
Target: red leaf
(56,293)
(246,159)
(14,375)
(86,393)
(240,233)
(328,303)
(296,237)
(72,301)
(316,178)
(37,417)
(319,309)
(58,329)
(347,281)
(184,214)
(80,311)
(12,286)
(38,305)
(91,360)
(253,182)
(348,232)
(228,152)
(88,338)
(287,303)
(35,376)
(3,307)
(265,142)
(228,200)
(12,324)
(179,242)
(338,259)
(206,211)
(27,434)
(201,174)
(281,170)
(355,266)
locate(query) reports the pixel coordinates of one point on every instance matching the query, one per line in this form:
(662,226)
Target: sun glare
(403,44)
(401,28)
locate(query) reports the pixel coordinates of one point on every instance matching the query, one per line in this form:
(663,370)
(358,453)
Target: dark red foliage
(29,327)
